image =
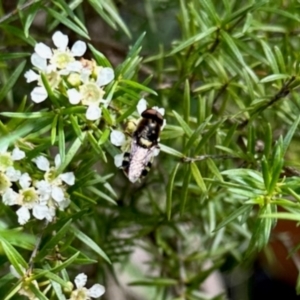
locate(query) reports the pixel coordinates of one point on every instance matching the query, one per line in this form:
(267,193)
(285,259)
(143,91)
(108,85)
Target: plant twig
(206,156)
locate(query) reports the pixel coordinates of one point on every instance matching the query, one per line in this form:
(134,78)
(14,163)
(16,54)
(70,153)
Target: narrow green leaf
(194,39)
(186,102)
(275,77)
(244,209)
(282,215)
(289,135)
(233,47)
(54,129)
(198,177)
(209,8)
(61,138)
(99,57)
(27,115)
(170,151)
(185,188)
(170,188)
(270,57)
(50,245)
(14,256)
(12,80)
(68,23)
(70,154)
(138,86)
(188,131)
(90,243)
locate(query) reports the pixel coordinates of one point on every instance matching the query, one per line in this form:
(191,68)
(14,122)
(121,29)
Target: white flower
(17,154)
(82,293)
(117,138)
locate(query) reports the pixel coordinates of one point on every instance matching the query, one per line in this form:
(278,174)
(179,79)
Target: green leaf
(188,131)
(233,47)
(194,39)
(244,209)
(185,188)
(209,8)
(138,86)
(68,23)
(70,154)
(198,177)
(12,80)
(270,57)
(170,151)
(289,135)
(170,188)
(14,257)
(61,138)
(155,282)
(274,77)
(50,245)
(90,243)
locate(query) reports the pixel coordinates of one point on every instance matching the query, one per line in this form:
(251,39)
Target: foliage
(227,75)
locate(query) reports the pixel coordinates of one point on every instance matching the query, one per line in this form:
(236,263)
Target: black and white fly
(138,161)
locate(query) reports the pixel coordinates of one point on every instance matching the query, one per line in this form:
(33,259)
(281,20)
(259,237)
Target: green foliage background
(227,74)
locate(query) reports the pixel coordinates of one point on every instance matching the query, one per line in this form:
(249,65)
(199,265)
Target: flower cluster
(40,197)
(119,139)
(83,80)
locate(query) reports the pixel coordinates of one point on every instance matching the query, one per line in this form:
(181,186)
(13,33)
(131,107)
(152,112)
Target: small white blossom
(68,178)
(82,293)
(117,138)
(31,76)
(17,154)
(42,163)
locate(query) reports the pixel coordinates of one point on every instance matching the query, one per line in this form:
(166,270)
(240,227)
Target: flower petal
(117,138)
(57,160)
(25,181)
(43,50)
(12,174)
(39,94)
(118,160)
(93,112)
(60,40)
(161,110)
(96,290)
(42,163)
(141,106)
(74,66)
(80,280)
(57,194)
(74,96)
(23,215)
(31,76)
(105,76)
(41,212)
(79,48)
(17,154)
(39,62)
(10,197)
(68,178)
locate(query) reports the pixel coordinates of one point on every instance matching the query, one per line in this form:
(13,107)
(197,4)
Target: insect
(138,161)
